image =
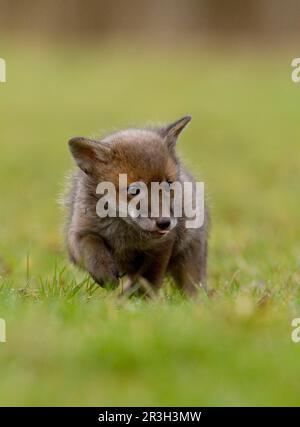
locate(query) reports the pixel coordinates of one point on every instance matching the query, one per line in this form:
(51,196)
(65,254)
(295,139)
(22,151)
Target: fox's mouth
(160,232)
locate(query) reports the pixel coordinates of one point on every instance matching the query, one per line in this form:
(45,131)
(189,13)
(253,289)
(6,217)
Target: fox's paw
(107,277)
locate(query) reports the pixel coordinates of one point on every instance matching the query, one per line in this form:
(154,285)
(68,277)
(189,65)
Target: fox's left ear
(171,132)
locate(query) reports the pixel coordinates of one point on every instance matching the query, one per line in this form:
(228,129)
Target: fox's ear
(88,153)
(172,131)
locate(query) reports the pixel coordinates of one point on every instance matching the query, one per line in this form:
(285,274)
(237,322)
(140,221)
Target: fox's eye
(166,186)
(133,190)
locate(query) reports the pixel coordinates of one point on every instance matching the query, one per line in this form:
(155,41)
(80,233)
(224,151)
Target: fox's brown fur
(107,247)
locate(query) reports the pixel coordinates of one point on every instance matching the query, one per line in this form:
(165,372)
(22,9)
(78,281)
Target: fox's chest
(128,248)
(128,261)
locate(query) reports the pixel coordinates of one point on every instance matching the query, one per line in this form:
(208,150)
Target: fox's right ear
(88,153)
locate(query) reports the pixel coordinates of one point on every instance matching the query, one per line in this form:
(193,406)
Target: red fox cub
(133,241)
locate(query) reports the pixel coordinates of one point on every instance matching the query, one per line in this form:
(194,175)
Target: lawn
(72,343)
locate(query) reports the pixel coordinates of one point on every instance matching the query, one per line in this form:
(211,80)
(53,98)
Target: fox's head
(146,156)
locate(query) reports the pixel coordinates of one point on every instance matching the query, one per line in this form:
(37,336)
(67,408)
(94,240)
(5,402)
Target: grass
(72,343)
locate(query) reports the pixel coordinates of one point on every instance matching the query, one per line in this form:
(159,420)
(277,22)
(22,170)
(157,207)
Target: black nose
(163,223)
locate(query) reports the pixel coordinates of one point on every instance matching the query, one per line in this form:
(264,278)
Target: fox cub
(145,248)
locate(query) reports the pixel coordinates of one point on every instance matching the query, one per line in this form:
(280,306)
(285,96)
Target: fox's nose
(163,223)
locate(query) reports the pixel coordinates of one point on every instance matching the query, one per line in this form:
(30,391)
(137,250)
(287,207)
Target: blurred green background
(71,343)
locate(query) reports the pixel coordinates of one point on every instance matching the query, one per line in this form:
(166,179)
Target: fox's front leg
(155,267)
(91,252)
(189,271)
(151,275)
